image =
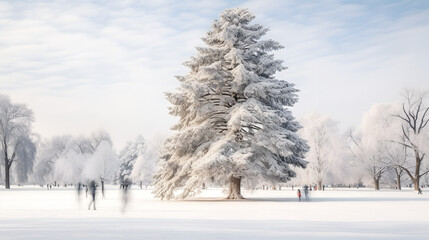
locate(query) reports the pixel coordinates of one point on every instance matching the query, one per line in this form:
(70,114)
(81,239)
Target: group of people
(306,195)
(92,189)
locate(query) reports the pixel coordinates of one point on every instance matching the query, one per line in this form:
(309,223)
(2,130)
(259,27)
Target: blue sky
(88,65)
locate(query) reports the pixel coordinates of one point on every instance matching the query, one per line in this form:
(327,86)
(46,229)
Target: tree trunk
(417,172)
(235,188)
(102,188)
(416,182)
(376,184)
(6,175)
(398,179)
(6,166)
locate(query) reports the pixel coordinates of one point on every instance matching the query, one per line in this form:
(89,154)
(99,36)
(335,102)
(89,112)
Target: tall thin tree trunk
(417,172)
(6,166)
(235,188)
(102,188)
(376,183)
(6,175)
(398,179)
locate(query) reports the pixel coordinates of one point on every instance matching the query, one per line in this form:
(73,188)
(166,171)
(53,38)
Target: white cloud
(88,65)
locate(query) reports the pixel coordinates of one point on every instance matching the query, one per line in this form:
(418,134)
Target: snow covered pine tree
(234,123)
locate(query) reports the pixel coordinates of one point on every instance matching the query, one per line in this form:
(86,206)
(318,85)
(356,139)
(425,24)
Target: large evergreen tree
(234,123)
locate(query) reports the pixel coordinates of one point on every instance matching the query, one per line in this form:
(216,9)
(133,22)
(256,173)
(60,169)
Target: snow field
(37,213)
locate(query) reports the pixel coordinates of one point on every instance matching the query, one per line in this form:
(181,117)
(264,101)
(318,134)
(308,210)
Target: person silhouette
(125,186)
(92,189)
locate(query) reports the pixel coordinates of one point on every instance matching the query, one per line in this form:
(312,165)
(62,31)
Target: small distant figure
(125,186)
(79,189)
(86,190)
(292,187)
(92,189)
(419,191)
(323,187)
(299,194)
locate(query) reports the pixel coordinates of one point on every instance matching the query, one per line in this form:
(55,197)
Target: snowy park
(35,213)
(248,119)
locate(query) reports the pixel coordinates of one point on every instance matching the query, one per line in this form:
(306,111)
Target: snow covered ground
(36,213)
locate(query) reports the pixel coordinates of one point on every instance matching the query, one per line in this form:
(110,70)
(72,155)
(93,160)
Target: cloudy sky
(88,65)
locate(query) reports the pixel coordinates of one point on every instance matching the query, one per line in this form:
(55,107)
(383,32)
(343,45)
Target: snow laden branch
(234,123)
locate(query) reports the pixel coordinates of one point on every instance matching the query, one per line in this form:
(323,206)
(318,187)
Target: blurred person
(92,189)
(299,194)
(125,186)
(306,192)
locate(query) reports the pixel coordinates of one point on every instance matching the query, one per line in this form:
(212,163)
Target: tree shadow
(317,199)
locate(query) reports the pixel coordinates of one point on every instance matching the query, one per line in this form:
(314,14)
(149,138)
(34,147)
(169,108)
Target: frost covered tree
(69,166)
(145,165)
(77,153)
(322,136)
(17,148)
(128,157)
(102,164)
(415,132)
(48,152)
(372,143)
(234,123)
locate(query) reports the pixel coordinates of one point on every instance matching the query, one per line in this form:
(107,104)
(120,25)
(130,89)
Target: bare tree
(322,136)
(415,119)
(15,138)
(370,156)
(397,156)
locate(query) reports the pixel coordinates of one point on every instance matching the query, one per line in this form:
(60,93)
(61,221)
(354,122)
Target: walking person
(92,189)
(306,192)
(299,194)
(125,186)
(79,189)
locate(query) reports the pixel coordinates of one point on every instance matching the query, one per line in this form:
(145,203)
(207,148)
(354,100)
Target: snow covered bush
(234,123)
